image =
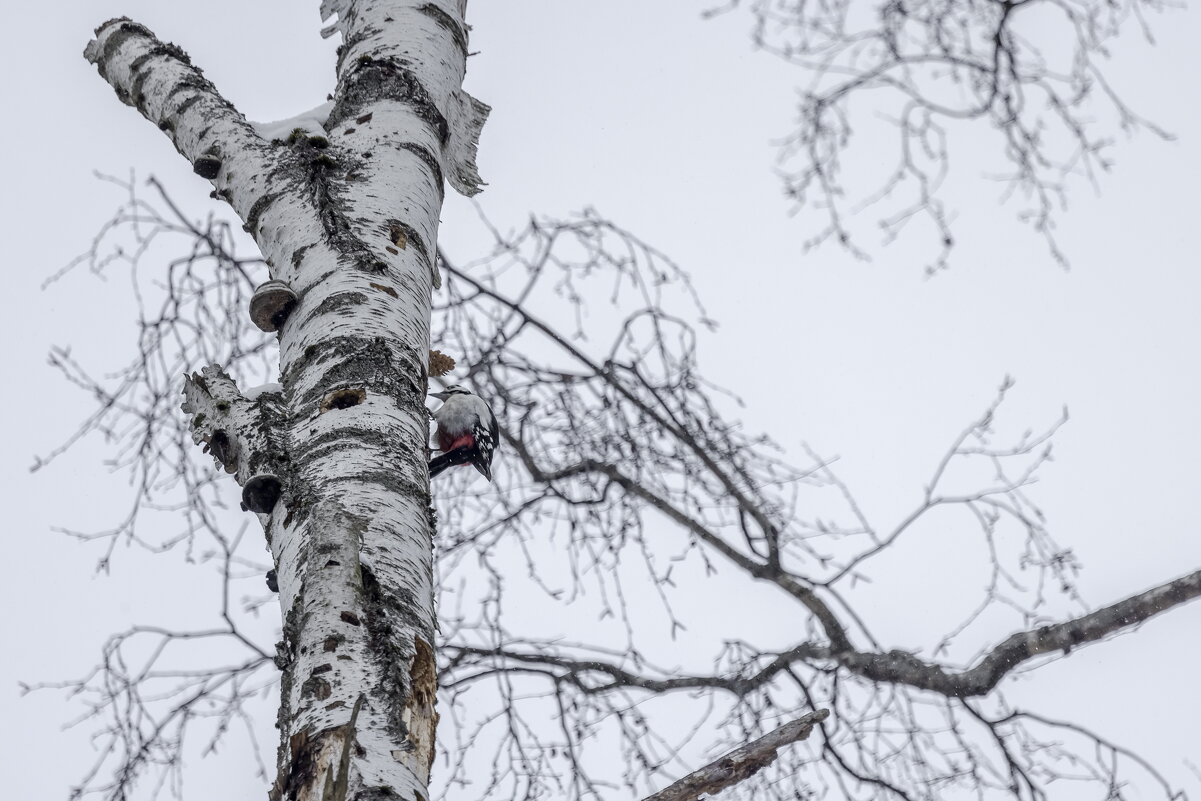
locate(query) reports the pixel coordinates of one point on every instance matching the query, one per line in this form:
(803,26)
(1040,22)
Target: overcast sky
(665,123)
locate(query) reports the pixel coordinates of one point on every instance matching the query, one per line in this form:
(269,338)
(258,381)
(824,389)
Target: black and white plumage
(467,432)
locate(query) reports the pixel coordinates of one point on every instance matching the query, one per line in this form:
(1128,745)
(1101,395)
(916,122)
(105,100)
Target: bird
(467,432)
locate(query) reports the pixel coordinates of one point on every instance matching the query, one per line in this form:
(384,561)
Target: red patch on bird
(466,439)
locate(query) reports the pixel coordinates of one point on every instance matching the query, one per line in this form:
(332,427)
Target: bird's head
(456,389)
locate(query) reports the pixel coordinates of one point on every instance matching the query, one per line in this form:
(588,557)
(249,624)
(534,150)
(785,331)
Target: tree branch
(892,667)
(741,763)
(158,79)
(608,373)
(925,64)
(898,666)
(242,433)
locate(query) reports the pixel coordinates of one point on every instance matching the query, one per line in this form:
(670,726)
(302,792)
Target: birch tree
(343,206)
(622,469)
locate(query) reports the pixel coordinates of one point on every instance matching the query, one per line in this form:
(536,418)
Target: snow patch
(312,122)
(254,392)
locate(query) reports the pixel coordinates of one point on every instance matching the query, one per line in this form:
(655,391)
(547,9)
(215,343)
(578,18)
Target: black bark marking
(335,303)
(372,364)
(431,163)
(298,254)
(188,102)
(256,211)
(372,80)
(391,654)
(220,445)
(107,22)
(449,23)
(126,30)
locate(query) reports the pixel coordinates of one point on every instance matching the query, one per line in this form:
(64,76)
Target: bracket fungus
(261,492)
(207,167)
(272,303)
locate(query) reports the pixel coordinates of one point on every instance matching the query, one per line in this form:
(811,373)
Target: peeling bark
(345,211)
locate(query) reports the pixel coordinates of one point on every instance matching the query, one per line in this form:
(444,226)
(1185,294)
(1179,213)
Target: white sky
(664,123)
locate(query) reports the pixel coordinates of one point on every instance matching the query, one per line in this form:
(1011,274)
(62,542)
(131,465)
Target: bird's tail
(484,469)
(460,455)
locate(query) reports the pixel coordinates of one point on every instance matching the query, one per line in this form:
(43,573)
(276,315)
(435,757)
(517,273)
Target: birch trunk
(344,208)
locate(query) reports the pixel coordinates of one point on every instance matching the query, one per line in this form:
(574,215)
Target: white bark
(349,222)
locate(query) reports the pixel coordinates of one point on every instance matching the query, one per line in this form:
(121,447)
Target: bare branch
(741,763)
(624,471)
(934,71)
(898,666)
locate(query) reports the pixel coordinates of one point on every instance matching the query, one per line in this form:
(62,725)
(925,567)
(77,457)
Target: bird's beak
(440,395)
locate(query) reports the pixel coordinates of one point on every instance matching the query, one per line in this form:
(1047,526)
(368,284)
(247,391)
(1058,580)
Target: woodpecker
(467,432)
